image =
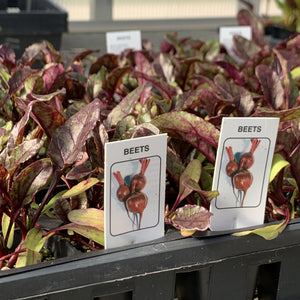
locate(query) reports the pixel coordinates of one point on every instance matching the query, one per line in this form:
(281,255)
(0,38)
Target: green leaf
(175,166)
(174,41)
(88,217)
(50,204)
(89,232)
(68,140)
(28,258)
(29,180)
(278,164)
(4,76)
(269,232)
(80,187)
(192,171)
(186,233)
(33,242)
(93,86)
(5,224)
(123,127)
(194,186)
(210,50)
(47,97)
(295,73)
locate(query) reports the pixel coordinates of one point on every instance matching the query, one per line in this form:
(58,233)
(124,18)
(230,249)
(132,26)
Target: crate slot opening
(267,281)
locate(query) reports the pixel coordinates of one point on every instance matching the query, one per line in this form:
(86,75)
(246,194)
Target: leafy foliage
(55,120)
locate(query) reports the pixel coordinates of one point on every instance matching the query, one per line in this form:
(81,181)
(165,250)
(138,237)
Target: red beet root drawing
(123,190)
(134,200)
(241,177)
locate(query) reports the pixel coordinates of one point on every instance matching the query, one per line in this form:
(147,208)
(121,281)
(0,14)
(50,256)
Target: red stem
(2,258)
(230,153)
(119,177)
(255,143)
(145,163)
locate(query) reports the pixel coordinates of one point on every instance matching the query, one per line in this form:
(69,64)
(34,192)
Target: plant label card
(226,34)
(118,41)
(242,170)
(134,190)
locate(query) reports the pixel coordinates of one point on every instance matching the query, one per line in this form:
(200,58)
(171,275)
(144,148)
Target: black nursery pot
(21,26)
(205,267)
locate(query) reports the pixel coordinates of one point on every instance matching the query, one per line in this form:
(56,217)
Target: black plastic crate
(222,267)
(44,21)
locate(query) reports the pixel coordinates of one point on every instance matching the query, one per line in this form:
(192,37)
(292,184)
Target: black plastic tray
(45,21)
(211,267)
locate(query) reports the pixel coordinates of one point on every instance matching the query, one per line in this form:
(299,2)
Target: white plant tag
(134,212)
(118,41)
(242,170)
(226,34)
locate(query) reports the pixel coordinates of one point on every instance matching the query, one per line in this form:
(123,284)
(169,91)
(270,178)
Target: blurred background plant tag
(134,190)
(118,41)
(226,34)
(242,170)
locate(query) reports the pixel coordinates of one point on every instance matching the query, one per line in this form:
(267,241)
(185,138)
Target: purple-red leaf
(17,80)
(51,74)
(28,182)
(291,149)
(284,115)
(78,172)
(191,172)
(68,140)
(291,91)
(143,66)
(167,91)
(248,18)
(82,55)
(7,56)
(185,72)
(244,48)
(22,153)
(114,79)
(190,128)
(271,85)
(47,117)
(236,94)
(61,209)
(109,61)
(124,108)
(16,135)
(191,217)
(44,49)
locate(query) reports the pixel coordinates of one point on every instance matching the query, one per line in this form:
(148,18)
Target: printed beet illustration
(241,177)
(134,199)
